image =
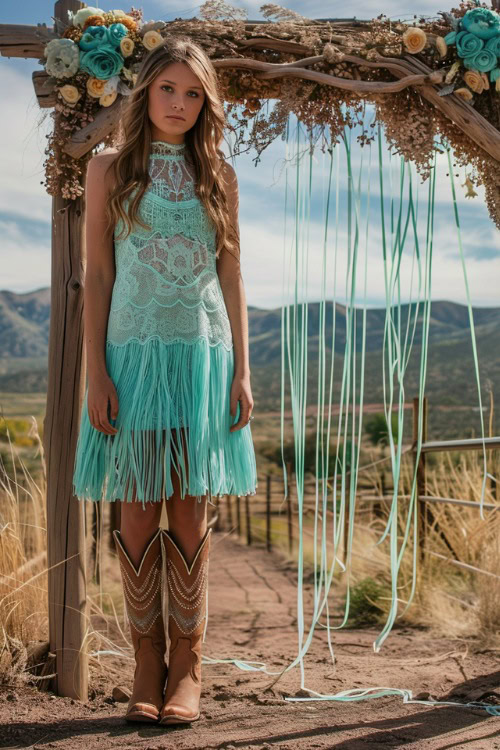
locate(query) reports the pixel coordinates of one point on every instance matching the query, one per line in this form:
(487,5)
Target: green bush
(363,608)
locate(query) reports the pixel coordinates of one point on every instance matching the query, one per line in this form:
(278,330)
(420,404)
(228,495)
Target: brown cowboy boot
(142,589)
(187,593)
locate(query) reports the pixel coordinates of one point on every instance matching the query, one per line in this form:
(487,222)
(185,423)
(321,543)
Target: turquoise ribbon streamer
(396,353)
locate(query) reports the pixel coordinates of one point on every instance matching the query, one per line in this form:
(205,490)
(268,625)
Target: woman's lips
(175,117)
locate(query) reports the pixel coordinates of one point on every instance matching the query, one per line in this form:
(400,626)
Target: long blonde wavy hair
(130,167)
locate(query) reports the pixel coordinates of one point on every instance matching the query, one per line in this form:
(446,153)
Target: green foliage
(272,452)
(363,603)
(17,430)
(376,429)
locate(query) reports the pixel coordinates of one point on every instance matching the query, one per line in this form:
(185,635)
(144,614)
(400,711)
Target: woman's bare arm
(231,281)
(99,280)
(100,269)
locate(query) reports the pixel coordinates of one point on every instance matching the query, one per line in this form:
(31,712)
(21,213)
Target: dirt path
(252,604)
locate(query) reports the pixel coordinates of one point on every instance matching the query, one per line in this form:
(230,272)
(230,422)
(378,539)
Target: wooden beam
(87,137)
(45,91)
(409,71)
(24,41)
(267,70)
(65,392)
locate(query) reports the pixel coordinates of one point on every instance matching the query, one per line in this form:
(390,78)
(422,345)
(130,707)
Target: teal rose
(482,22)
(102,62)
(93,37)
(494,45)
(483,61)
(468,44)
(116,33)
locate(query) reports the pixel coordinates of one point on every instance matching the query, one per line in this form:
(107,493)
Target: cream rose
(126,46)
(95,87)
(441,46)
(415,40)
(474,81)
(464,93)
(152,39)
(106,100)
(70,93)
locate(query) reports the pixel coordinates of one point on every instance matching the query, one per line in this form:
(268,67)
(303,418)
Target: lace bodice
(166,283)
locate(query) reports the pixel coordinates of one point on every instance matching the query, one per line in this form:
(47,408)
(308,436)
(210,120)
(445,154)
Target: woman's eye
(190,92)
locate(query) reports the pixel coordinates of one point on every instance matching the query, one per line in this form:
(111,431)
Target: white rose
(111,85)
(81,15)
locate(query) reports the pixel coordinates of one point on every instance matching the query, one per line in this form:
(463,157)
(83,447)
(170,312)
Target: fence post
(289,508)
(114,522)
(347,513)
(247,516)
(96,540)
(217,517)
(268,512)
(238,515)
(229,513)
(421,484)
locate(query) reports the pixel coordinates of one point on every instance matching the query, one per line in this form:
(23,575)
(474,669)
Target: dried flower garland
(95,59)
(111,46)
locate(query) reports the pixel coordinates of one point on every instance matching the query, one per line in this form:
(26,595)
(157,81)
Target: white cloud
(22,148)
(25,254)
(262,250)
(26,261)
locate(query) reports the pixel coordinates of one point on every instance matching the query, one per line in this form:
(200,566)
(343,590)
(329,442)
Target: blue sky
(25,208)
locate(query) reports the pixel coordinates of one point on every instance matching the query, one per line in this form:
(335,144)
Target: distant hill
(24,330)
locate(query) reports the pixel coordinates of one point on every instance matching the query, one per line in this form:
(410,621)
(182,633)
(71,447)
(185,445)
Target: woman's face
(176,91)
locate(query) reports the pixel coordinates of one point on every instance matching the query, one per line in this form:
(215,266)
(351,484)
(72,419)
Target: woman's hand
(102,392)
(242,392)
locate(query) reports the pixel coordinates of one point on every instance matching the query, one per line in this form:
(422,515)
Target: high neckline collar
(166,148)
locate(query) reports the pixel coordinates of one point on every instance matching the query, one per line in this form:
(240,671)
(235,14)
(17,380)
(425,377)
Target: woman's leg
(187,517)
(138,545)
(187,580)
(137,526)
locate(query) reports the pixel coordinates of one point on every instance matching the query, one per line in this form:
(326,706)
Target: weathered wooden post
(238,515)
(421,486)
(96,539)
(229,513)
(248,524)
(268,512)
(65,392)
(217,517)
(114,523)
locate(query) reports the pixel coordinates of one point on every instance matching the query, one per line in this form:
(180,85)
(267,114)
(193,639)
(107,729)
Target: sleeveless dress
(169,352)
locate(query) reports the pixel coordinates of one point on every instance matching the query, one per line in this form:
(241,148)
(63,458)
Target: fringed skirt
(173,411)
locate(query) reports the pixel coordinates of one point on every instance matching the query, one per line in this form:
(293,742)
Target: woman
(166,333)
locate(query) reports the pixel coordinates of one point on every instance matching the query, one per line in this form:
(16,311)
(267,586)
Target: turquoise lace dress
(169,353)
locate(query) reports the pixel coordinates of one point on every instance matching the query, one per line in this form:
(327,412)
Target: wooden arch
(310,67)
